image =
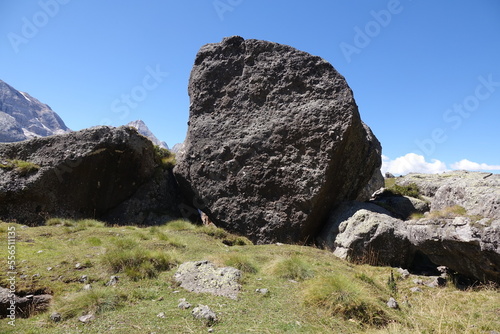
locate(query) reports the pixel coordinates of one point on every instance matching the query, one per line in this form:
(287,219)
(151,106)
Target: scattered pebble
(78,265)
(161,315)
(183,304)
(86,318)
(113,280)
(392,303)
(416,289)
(55,317)
(87,287)
(262,291)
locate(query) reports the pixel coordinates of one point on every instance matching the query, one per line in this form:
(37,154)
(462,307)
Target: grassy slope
(311,291)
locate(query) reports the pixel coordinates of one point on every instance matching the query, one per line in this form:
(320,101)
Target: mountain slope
(24,117)
(143,129)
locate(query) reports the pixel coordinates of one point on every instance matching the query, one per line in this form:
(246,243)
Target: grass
(310,290)
(22,167)
(411,190)
(165,157)
(449,212)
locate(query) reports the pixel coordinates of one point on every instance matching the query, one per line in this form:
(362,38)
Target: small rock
(203,312)
(49,268)
(87,287)
(113,280)
(83,279)
(86,318)
(436,282)
(78,266)
(293,281)
(418,281)
(40,251)
(55,317)
(416,289)
(392,303)
(210,330)
(161,315)
(183,304)
(36,276)
(404,273)
(262,291)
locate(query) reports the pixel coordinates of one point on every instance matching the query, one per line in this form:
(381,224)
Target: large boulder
(274,141)
(365,232)
(86,174)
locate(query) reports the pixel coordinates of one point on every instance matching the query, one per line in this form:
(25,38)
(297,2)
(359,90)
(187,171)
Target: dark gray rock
(24,117)
(56,317)
(204,277)
(25,306)
(400,206)
(183,304)
(111,174)
(376,182)
(275,140)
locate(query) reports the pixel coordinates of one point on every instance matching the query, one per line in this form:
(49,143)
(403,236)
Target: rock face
(274,140)
(143,129)
(25,306)
(478,193)
(204,277)
(24,117)
(112,174)
(365,232)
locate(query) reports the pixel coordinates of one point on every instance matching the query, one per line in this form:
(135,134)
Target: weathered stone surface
(274,140)
(478,193)
(364,231)
(204,277)
(400,206)
(469,248)
(203,312)
(25,306)
(112,174)
(376,182)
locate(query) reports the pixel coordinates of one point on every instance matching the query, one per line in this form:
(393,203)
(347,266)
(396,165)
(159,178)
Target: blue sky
(425,74)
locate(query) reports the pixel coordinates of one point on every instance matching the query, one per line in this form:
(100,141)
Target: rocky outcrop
(471,248)
(112,174)
(365,232)
(204,277)
(24,117)
(274,140)
(478,193)
(13,305)
(143,129)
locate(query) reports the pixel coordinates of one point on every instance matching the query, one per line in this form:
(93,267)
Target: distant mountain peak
(143,129)
(24,117)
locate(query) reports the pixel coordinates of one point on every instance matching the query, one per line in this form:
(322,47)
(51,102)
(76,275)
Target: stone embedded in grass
(392,303)
(203,312)
(56,317)
(183,304)
(86,318)
(204,277)
(113,280)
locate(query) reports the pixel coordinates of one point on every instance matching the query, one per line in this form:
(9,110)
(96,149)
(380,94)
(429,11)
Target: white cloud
(465,164)
(412,163)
